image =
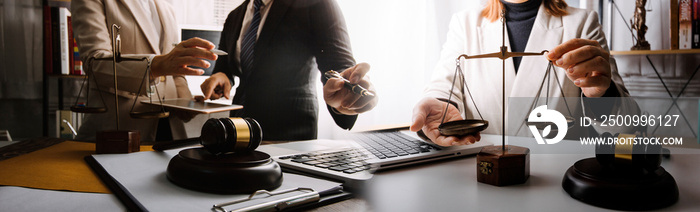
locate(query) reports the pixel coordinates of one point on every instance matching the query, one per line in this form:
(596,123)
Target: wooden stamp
(501,168)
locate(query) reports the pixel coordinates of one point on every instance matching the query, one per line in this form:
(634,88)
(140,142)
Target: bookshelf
(45,100)
(656,52)
(646,54)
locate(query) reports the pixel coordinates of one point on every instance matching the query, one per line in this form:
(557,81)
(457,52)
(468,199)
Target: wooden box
(499,168)
(122,141)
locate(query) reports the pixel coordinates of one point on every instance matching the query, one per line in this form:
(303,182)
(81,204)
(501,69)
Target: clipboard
(130,199)
(194,106)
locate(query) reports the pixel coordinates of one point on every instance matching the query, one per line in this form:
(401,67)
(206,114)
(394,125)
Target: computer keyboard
(382,145)
(392,144)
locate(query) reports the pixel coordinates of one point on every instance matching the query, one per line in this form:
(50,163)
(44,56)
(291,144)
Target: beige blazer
(92,21)
(471,34)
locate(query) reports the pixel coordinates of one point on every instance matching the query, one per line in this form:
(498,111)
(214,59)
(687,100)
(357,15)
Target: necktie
(247,53)
(248,43)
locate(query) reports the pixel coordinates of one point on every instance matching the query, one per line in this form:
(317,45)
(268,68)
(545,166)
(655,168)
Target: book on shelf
(61,55)
(48,46)
(696,24)
(64,42)
(685,26)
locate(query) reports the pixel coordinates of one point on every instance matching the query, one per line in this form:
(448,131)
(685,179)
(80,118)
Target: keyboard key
(323,165)
(313,162)
(301,160)
(338,168)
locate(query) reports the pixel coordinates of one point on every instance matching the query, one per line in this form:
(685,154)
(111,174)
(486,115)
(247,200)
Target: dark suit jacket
(299,40)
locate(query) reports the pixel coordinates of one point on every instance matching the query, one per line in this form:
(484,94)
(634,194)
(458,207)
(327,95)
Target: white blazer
(471,34)
(92,21)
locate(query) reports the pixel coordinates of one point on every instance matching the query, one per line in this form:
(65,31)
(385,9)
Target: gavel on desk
(221,136)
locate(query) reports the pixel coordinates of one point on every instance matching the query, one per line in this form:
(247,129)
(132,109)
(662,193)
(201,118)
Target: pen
(355,88)
(215,51)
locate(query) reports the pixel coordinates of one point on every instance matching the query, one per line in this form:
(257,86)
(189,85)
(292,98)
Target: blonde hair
(493,9)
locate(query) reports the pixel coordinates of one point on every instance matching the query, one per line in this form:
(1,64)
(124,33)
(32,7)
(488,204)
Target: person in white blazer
(148,27)
(576,45)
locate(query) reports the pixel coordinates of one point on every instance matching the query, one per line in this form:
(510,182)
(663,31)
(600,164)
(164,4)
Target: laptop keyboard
(383,145)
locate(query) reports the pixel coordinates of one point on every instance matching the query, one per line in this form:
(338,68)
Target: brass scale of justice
(116,58)
(472,126)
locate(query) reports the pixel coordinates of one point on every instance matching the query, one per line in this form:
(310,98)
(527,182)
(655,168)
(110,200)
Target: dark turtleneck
(520,17)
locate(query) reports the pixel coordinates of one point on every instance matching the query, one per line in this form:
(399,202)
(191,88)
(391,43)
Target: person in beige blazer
(148,27)
(576,45)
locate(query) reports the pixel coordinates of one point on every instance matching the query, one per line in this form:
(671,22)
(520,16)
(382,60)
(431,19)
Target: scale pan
(463,127)
(149,115)
(85,109)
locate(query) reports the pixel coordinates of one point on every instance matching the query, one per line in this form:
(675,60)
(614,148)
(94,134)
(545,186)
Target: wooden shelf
(656,52)
(67,76)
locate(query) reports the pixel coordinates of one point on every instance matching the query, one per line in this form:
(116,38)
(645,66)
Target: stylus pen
(355,88)
(215,51)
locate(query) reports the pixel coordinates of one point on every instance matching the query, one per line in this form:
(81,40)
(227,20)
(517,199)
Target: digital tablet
(194,106)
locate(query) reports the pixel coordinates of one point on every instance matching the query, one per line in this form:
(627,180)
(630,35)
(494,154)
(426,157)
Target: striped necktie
(247,55)
(248,43)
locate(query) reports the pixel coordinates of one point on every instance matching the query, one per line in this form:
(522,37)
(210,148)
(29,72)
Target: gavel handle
(166,145)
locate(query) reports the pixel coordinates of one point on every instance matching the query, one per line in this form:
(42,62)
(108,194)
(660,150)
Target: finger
(227,89)
(358,73)
(581,54)
(596,66)
(445,140)
(556,53)
(367,107)
(198,53)
(197,42)
(601,82)
(333,85)
(215,96)
(207,88)
(349,99)
(418,119)
(188,71)
(191,61)
(363,104)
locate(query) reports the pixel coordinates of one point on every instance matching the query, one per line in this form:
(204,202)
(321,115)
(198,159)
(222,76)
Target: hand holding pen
(355,88)
(350,92)
(179,60)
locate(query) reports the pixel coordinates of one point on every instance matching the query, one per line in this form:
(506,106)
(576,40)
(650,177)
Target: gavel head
(235,134)
(630,152)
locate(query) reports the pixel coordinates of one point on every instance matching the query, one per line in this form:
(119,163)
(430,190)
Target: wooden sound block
(620,189)
(117,141)
(227,173)
(499,168)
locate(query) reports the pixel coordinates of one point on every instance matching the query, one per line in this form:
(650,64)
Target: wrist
(154,66)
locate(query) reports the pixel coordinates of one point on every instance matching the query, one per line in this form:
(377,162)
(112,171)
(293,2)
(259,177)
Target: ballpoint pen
(355,88)
(215,51)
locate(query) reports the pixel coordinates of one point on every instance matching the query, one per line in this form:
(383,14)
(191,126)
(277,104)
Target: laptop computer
(365,153)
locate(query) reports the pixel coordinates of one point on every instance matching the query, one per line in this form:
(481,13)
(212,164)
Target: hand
(216,86)
(187,53)
(343,99)
(586,63)
(427,116)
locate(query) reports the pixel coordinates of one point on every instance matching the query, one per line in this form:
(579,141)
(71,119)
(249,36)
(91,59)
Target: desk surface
(451,185)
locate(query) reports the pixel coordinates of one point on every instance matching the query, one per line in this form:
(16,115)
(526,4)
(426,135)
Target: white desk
(448,185)
(452,185)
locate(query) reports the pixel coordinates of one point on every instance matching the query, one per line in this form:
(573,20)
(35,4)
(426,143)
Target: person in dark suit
(277,49)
